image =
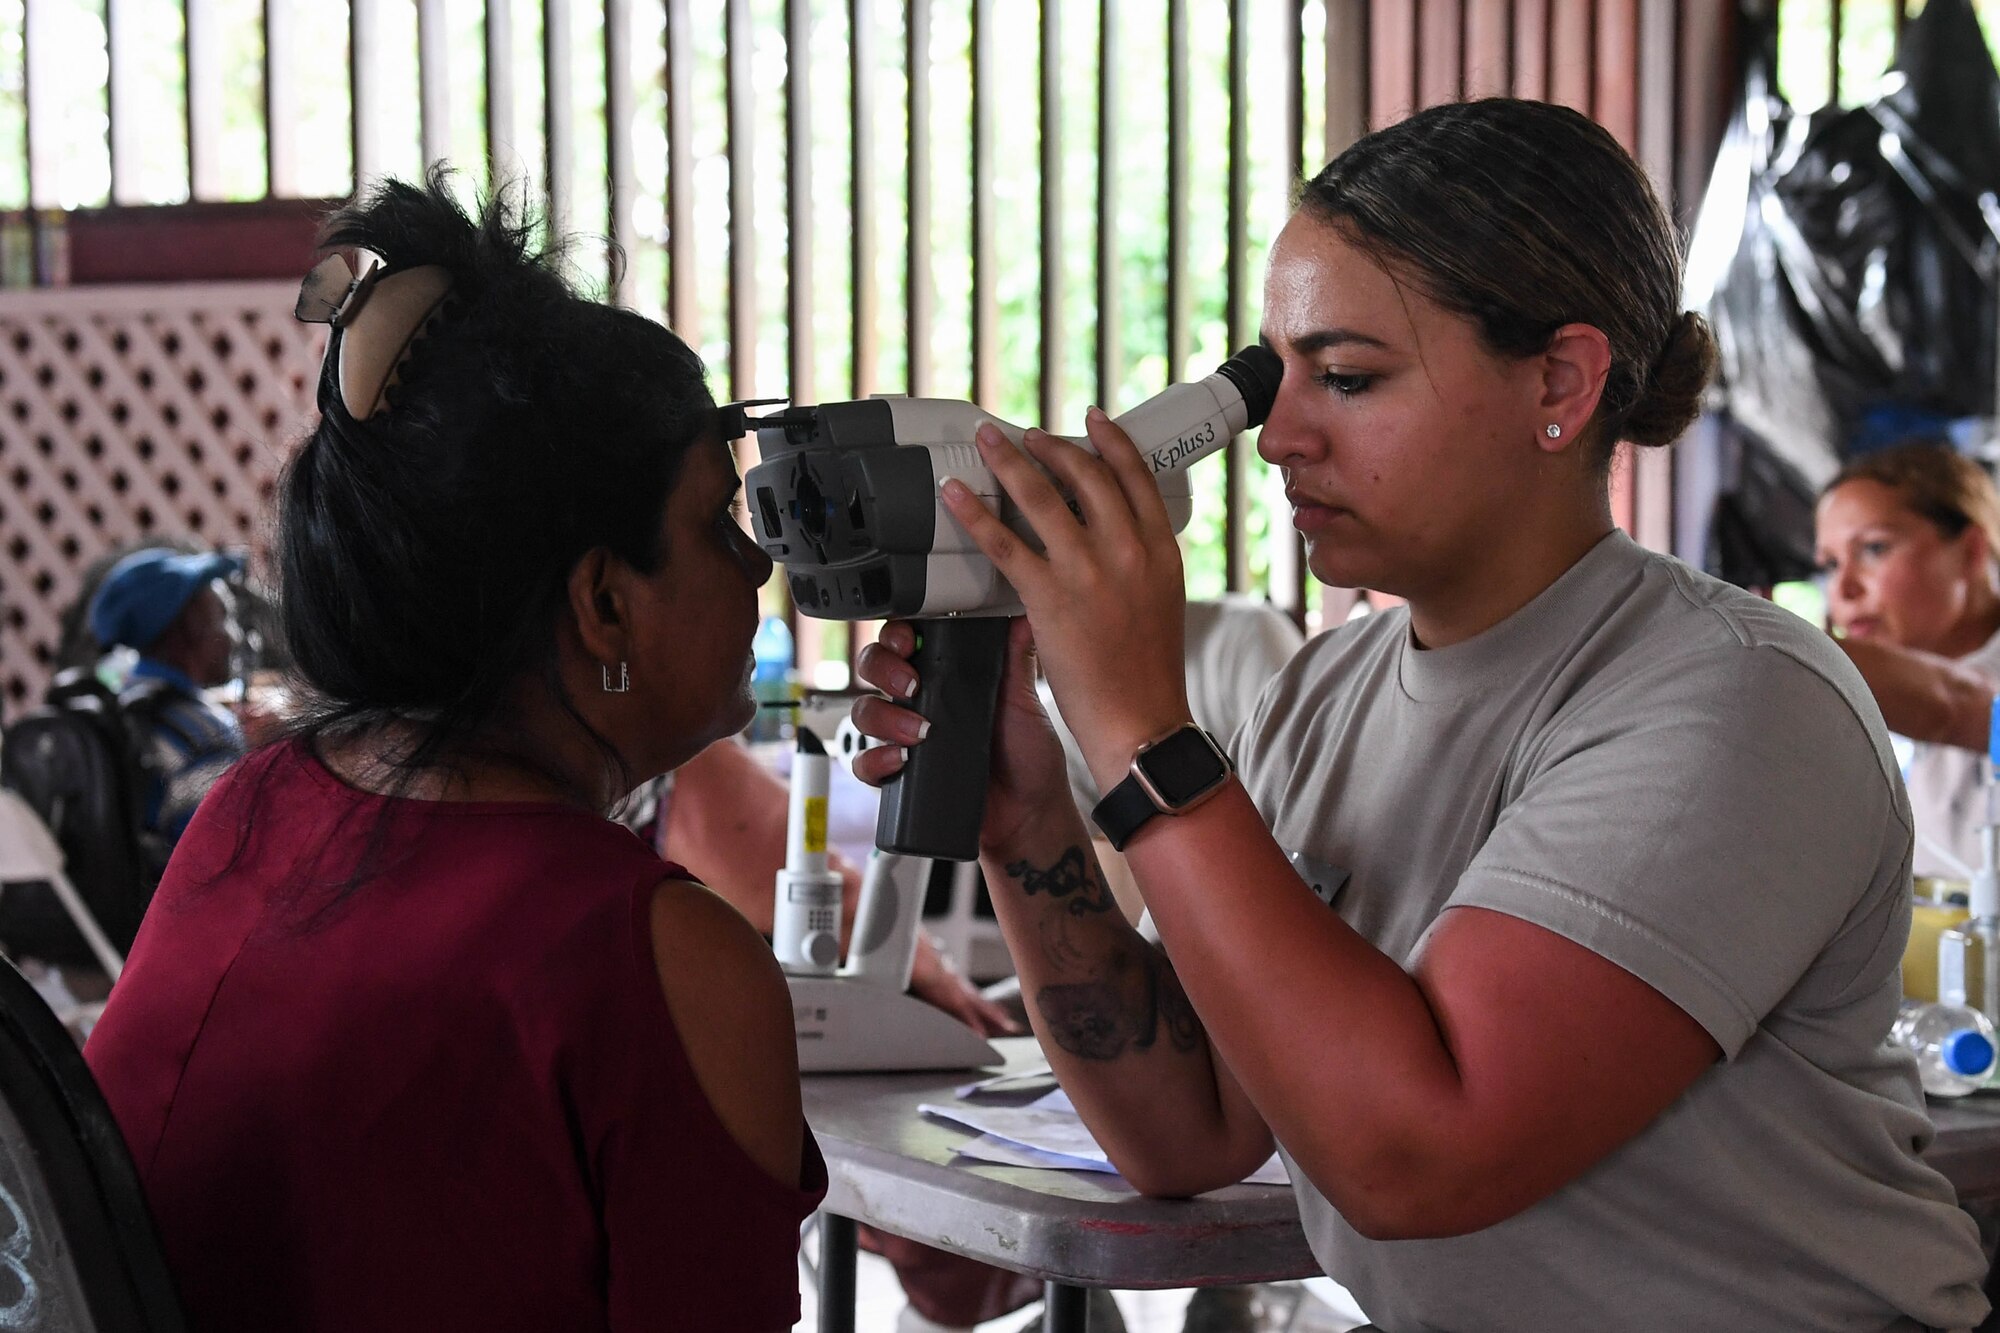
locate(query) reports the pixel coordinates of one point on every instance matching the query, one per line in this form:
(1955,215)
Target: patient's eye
(1346,385)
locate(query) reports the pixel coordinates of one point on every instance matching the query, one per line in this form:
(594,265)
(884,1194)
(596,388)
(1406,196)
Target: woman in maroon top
(414,1037)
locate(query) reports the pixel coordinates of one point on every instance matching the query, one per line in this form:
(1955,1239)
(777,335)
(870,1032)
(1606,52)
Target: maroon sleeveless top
(449,1097)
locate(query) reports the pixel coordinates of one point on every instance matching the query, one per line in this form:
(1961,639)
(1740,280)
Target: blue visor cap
(146,590)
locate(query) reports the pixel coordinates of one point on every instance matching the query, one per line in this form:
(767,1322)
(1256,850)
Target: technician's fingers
(1131,470)
(889,722)
(886,669)
(1098,494)
(878,765)
(1009,554)
(1030,490)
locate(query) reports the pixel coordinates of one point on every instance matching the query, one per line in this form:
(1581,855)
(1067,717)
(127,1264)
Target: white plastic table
(893,1169)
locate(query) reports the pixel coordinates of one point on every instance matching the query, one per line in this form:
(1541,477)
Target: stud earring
(624,679)
(1553,431)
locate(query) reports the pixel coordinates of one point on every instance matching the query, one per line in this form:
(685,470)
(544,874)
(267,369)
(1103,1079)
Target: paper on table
(1048,1133)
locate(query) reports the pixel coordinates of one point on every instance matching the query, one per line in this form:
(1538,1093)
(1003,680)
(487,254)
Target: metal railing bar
(558,115)
(499,87)
(683,310)
(985,301)
(1053,332)
(202,44)
(1110,354)
(738,91)
(1289,547)
(281,105)
(865,370)
(120,120)
(1236,306)
(920,290)
(798,199)
(1178,342)
(433,81)
(39,120)
(364,44)
(621,185)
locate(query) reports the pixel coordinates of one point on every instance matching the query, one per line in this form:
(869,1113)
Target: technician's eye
(1346,385)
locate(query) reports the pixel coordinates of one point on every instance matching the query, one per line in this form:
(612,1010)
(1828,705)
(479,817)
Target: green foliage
(1137,216)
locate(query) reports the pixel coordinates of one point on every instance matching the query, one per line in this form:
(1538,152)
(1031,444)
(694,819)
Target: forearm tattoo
(1133,994)
(1073,880)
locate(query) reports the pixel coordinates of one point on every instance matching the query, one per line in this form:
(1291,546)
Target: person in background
(416,1035)
(1552,928)
(172,608)
(1907,541)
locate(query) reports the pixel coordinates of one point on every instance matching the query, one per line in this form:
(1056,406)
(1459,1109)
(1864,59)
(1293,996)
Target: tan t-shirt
(1696,785)
(1945,793)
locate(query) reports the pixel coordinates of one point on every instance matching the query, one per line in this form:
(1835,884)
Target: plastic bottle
(1953,1044)
(770,677)
(1969,952)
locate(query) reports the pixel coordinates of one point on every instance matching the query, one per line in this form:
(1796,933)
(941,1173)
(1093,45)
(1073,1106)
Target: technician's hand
(1027,776)
(1106,596)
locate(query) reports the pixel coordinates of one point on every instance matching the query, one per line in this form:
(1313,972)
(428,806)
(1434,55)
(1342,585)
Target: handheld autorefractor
(847,500)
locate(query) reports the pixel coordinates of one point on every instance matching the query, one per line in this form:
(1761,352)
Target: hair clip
(375,317)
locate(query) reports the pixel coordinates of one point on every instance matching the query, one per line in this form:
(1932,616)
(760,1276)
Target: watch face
(1182,766)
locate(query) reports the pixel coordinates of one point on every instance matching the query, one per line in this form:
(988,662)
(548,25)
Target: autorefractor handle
(934,806)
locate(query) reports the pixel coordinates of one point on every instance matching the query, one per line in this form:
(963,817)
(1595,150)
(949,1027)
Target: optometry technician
(1906,540)
(1591,1035)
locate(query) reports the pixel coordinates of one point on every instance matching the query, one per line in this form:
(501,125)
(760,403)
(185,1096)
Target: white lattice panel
(135,412)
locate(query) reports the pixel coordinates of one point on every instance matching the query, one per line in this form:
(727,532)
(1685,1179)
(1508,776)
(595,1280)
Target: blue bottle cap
(1966,1053)
(1993,735)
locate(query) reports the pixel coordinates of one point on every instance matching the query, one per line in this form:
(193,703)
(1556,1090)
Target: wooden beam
(1440,51)
(1392,35)
(1346,74)
(1572,30)
(1489,48)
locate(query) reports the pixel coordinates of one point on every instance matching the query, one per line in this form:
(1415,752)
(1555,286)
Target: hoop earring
(1553,431)
(624,679)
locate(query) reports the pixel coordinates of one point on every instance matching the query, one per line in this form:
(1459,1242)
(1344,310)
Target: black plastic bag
(1847,263)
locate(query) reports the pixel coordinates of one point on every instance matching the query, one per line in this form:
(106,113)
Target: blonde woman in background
(1906,539)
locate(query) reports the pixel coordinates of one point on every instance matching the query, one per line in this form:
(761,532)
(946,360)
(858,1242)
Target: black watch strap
(1175,773)
(1123,812)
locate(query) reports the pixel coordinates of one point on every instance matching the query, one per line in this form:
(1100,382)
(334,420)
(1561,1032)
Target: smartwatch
(1169,776)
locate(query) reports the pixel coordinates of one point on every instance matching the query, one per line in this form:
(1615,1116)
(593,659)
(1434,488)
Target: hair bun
(1670,399)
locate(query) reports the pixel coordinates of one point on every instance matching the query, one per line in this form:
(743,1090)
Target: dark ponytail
(1524,217)
(424,552)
